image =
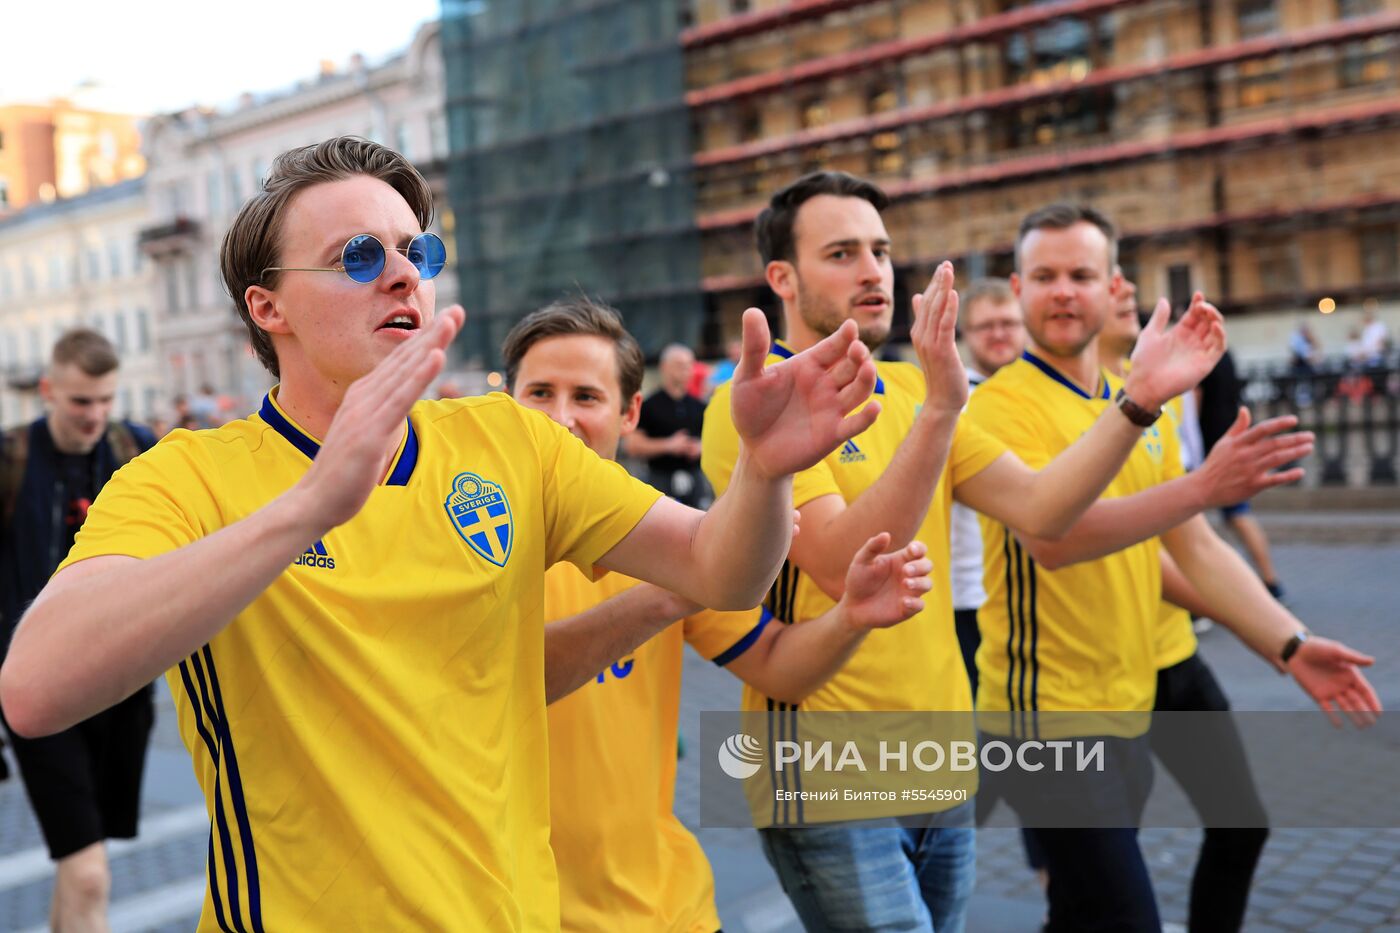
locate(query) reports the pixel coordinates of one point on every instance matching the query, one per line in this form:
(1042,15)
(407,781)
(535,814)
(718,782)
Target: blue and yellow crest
(480,512)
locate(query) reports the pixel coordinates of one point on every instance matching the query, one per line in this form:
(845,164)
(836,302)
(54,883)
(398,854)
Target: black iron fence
(1353,408)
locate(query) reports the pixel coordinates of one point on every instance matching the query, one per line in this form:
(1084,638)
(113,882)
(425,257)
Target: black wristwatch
(1290,647)
(1134,412)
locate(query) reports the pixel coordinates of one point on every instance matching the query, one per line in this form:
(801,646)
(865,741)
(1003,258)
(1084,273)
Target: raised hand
(1329,672)
(934,336)
(1240,465)
(882,589)
(368,425)
(1169,361)
(792,414)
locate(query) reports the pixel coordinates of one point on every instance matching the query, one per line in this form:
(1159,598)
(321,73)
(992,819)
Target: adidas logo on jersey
(850,453)
(316,556)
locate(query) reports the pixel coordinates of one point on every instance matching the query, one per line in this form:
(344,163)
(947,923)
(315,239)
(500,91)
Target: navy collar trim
(1059,377)
(399,476)
(781,349)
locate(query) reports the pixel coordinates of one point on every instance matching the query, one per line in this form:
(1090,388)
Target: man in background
(84,782)
(668,433)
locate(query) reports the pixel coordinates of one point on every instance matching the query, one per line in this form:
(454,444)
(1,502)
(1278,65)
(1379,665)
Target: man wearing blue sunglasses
(345,588)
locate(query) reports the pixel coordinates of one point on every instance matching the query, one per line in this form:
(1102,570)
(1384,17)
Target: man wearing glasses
(345,588)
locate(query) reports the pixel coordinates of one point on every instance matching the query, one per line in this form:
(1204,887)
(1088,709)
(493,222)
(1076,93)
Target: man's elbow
(1046,555)
(22,700)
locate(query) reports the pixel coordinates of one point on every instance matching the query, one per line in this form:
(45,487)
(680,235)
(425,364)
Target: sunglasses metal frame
(341,268)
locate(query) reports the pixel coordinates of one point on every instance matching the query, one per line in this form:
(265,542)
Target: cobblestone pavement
(1324,880)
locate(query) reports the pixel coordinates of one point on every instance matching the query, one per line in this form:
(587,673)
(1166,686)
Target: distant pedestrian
(1304,351)
(84,782)
(668,434)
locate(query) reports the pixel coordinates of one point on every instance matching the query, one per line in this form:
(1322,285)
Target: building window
(1369,61)
(815,113)
(1260,82)
(1380,253)
(114,258)
(216,194)
(886,153)
(4,193)
(1055,52)
(1277,266)
(881,100)
(401,140)
(1255,18)
(172,289)
(750,123)
(235,190)
(739,6)
(1178,284)
(119,326)
(94,262)
(1346,9)
(143,331)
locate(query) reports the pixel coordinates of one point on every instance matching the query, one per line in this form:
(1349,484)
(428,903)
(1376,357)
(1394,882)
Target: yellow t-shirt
(1176,639)
(1081,638)
(370,730)
(915,665)
(625,861)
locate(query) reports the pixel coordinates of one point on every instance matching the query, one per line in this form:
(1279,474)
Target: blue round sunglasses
(363,258)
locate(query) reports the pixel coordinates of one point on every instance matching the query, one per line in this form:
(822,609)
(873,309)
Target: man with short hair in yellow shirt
(1071,625)
(826,255)
(625,862)
(346,587)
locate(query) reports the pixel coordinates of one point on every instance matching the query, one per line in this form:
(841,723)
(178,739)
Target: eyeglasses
(363,258)
(995,325)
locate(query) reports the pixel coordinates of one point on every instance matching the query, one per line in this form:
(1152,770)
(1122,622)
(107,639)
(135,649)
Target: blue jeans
(877,876)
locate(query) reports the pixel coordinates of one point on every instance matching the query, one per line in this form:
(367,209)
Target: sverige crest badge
(481,514)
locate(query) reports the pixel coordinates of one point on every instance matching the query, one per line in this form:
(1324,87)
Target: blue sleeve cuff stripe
(747,642)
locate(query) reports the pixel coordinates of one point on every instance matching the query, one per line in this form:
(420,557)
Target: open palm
(1329,672)
(792,414)
(1170,361)
(882,589)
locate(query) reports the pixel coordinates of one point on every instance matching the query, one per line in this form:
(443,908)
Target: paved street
(1330,880)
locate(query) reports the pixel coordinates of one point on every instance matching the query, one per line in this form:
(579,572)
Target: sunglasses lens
(363,258)
(428,254)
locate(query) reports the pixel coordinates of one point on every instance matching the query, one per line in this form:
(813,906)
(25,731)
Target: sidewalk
(1344,881)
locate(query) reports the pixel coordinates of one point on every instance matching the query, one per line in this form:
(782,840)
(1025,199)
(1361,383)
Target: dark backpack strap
(123,443)
(14,456)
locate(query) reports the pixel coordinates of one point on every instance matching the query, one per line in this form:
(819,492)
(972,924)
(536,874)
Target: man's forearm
(741,542)
(92,639)
(796,660)
(897,502)
(1110,525)
(1233,594)
(577,648)
(1068,485)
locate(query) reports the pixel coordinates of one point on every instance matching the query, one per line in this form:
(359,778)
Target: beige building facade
(1246,148)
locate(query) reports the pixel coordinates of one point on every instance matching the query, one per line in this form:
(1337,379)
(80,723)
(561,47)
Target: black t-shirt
(1220,401)
(77,480)
(663,416)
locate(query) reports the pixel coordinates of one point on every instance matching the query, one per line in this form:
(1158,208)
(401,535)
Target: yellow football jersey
(915,665)
(626,863)
(1176,639)
(1081,638)
(370,732)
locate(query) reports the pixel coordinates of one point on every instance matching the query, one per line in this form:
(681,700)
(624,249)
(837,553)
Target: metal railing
(1353,408)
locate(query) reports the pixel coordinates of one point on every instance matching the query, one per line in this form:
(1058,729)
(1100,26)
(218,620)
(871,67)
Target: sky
(155,56)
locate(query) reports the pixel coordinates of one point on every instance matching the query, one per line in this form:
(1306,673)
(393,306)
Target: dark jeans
(1225,868)
(1098,879)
